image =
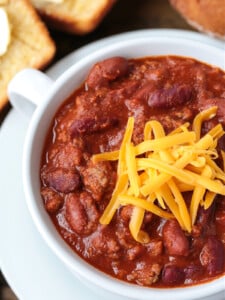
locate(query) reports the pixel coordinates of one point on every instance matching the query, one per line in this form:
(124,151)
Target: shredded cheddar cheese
(154,175)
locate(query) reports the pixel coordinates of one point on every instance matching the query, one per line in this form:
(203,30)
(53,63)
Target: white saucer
(31,269)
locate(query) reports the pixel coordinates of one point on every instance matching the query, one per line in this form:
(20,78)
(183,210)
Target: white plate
(31,269)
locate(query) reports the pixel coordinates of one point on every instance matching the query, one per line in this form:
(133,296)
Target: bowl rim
(64,253)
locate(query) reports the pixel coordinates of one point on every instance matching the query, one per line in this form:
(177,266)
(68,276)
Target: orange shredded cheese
(169,166)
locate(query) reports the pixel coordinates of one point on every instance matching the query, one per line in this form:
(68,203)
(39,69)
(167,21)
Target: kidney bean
(144,92)
(52,200)
(81,213)
(203,220)
(61,180)
(91,125)
(212,256)
(204,215)
(174,239)
(75,213)
(221,143)
(105,71)
(172,274)
(170,97)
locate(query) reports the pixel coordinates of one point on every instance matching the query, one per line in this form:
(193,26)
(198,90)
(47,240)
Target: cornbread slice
(30,43)
(205,15)
(74,16)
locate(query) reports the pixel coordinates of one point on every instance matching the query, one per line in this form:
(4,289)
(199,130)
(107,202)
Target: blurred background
(124,16)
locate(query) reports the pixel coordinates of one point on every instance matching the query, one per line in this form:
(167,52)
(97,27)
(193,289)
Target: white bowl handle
(28,89)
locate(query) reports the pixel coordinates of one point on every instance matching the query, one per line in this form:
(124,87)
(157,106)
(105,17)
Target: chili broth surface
(76,191)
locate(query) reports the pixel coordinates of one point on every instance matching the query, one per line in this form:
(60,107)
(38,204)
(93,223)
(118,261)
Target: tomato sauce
(76,191)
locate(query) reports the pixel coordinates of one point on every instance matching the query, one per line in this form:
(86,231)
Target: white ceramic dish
(9,181)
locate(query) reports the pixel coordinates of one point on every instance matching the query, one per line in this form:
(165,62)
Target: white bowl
(28,86)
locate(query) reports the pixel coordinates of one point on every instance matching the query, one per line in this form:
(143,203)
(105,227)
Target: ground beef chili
(76,191)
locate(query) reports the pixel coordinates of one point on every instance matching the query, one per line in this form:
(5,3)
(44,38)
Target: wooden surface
(126,15)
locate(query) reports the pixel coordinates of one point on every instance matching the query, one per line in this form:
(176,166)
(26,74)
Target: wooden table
(126,15)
